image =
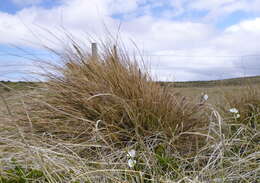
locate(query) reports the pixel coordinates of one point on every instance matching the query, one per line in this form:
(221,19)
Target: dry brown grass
(78,127)
(226,157)
(114,96)
(247,101)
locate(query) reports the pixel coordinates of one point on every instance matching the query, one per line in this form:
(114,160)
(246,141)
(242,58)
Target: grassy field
(214,83)
(106,122)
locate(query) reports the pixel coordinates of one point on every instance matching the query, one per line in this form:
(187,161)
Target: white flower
(131,153)
(131,163)
(237,116)
(218,180)
(205,97)
(233,110)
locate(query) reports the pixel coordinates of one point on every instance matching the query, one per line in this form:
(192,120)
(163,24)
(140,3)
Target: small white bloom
(131,163)
(237,116)
(205,97)
(131,153)
(218,180)
(233,110)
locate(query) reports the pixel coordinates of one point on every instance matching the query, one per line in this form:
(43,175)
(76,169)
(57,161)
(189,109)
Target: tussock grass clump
(113,95)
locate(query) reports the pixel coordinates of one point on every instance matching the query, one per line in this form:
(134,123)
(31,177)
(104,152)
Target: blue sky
(14,6)
(184,39)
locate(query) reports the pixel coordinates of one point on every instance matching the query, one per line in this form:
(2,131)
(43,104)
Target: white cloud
(11,29)
(213,10)
(122,6)
(156,34)
(249,26)
(240,39)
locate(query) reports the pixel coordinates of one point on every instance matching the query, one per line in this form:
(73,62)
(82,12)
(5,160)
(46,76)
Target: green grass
(197,84)
(22,85)
(19,174)
(215,83)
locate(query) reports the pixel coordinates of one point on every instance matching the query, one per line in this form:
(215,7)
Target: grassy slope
(4,85)
(186,84)
(212,83)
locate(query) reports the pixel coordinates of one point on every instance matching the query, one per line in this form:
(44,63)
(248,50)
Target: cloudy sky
(182,39)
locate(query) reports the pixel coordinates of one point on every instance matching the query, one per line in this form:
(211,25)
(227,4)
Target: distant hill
(212,83)
(6,86)
(186,84)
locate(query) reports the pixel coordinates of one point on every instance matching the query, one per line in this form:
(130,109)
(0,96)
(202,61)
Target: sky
(182,40)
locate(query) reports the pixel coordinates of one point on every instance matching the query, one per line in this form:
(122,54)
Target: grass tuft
(113,97)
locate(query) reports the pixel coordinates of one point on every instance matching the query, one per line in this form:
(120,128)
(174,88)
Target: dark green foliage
(18,174)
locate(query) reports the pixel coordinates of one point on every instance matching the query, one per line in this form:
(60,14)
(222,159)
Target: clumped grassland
(103,119)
